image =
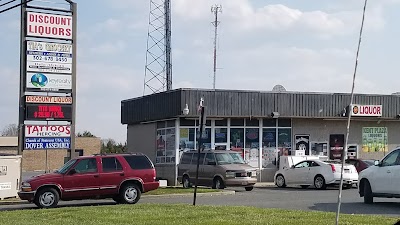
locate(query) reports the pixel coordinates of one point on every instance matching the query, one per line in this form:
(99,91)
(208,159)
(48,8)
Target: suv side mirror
(72,172)
(212,163)
(292,167)
(377,163)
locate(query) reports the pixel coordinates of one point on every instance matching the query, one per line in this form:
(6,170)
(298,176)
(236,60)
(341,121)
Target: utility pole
(215,9)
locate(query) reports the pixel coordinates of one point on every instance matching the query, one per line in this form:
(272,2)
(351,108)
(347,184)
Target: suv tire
(186,182)
(129,194)
(218,183)
(47,198)
(368,197)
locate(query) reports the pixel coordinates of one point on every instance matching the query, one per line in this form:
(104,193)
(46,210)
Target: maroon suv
(122,177)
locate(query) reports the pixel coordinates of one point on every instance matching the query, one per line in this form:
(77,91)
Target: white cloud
(109,48)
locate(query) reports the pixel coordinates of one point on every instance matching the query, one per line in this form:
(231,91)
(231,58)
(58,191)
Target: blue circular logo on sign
(39,80)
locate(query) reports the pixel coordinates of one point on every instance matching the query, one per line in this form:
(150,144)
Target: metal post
(202,122)
(74,55)
(21,114)
(168,69)
(339,201)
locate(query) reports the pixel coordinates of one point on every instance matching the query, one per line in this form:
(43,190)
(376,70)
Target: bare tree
(10,130)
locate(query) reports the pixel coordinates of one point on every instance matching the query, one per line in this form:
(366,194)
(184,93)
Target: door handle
(388,171)
(96,175)
(122,174)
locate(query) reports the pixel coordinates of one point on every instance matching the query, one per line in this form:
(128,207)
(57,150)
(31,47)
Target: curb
(20,202)
(189,194)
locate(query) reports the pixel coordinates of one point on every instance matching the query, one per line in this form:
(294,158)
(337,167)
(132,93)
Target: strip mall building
(260,125)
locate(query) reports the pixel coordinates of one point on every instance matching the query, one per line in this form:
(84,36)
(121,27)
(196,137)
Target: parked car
(360,164)
(382,179)
(123,177)
(218,169)
(318,173)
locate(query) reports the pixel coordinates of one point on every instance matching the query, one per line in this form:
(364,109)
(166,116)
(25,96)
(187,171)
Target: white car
(317,173)
(381,180)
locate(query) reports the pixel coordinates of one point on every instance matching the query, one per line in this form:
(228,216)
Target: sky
(307,45)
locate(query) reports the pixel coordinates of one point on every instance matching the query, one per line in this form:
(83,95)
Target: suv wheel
(186,182)
(368,197)
(218,183)
(130,194)
(47,198)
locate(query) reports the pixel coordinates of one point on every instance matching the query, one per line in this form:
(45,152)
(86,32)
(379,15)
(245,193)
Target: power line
(12,7)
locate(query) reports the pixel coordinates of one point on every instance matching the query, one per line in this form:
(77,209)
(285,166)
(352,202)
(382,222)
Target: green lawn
(179,190)
(180,214)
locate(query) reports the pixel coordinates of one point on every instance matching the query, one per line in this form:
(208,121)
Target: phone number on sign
(49,58)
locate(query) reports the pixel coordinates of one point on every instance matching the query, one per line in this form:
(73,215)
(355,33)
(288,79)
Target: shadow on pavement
(295,188)
(377,208)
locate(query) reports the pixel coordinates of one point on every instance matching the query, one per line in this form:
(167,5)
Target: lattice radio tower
(158,69)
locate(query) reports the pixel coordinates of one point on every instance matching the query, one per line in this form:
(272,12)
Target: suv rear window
(138,162)
(186,158)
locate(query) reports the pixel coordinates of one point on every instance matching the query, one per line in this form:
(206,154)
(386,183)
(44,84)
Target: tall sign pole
(201,131)
(74,40)
(47,97)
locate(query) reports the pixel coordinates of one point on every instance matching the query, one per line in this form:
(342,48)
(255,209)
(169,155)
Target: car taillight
(333,168)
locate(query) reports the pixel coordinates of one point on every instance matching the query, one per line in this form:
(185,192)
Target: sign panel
(336,146)
(48,82)
(5,186)
(49,67)
(48,99)
(47,143)
(366,110)
(303,143)
(48,112)
(47,131)
(375,139)
(49,25)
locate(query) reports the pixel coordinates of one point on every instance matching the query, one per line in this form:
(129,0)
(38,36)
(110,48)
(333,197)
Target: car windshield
(229,158)
(66,166)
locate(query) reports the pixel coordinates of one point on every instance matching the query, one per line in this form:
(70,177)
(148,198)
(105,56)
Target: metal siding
(224,103)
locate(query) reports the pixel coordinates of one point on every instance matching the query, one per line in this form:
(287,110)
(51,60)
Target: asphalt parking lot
(266,197)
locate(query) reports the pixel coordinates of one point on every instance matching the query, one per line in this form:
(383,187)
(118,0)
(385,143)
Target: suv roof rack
(122,153)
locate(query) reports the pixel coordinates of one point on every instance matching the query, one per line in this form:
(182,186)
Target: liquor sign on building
(49,25)
(366,110)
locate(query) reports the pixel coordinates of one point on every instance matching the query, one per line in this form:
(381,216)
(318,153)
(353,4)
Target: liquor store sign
(48,112)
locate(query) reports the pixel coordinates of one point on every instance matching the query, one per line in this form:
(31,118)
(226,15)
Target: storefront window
(206,138)
(285,141)
(237,140)
(221,135)
(186,139)
(165,145)
(269,147)
(252,146)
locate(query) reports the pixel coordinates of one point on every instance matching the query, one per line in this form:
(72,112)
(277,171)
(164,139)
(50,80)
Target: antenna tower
(215,9)
(158,69)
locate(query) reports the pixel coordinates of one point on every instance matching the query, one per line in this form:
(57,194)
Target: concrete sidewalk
(264,184)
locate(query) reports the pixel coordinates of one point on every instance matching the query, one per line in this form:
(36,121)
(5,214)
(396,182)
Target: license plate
(347,171)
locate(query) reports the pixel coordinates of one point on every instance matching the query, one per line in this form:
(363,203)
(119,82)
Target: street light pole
(202,122)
